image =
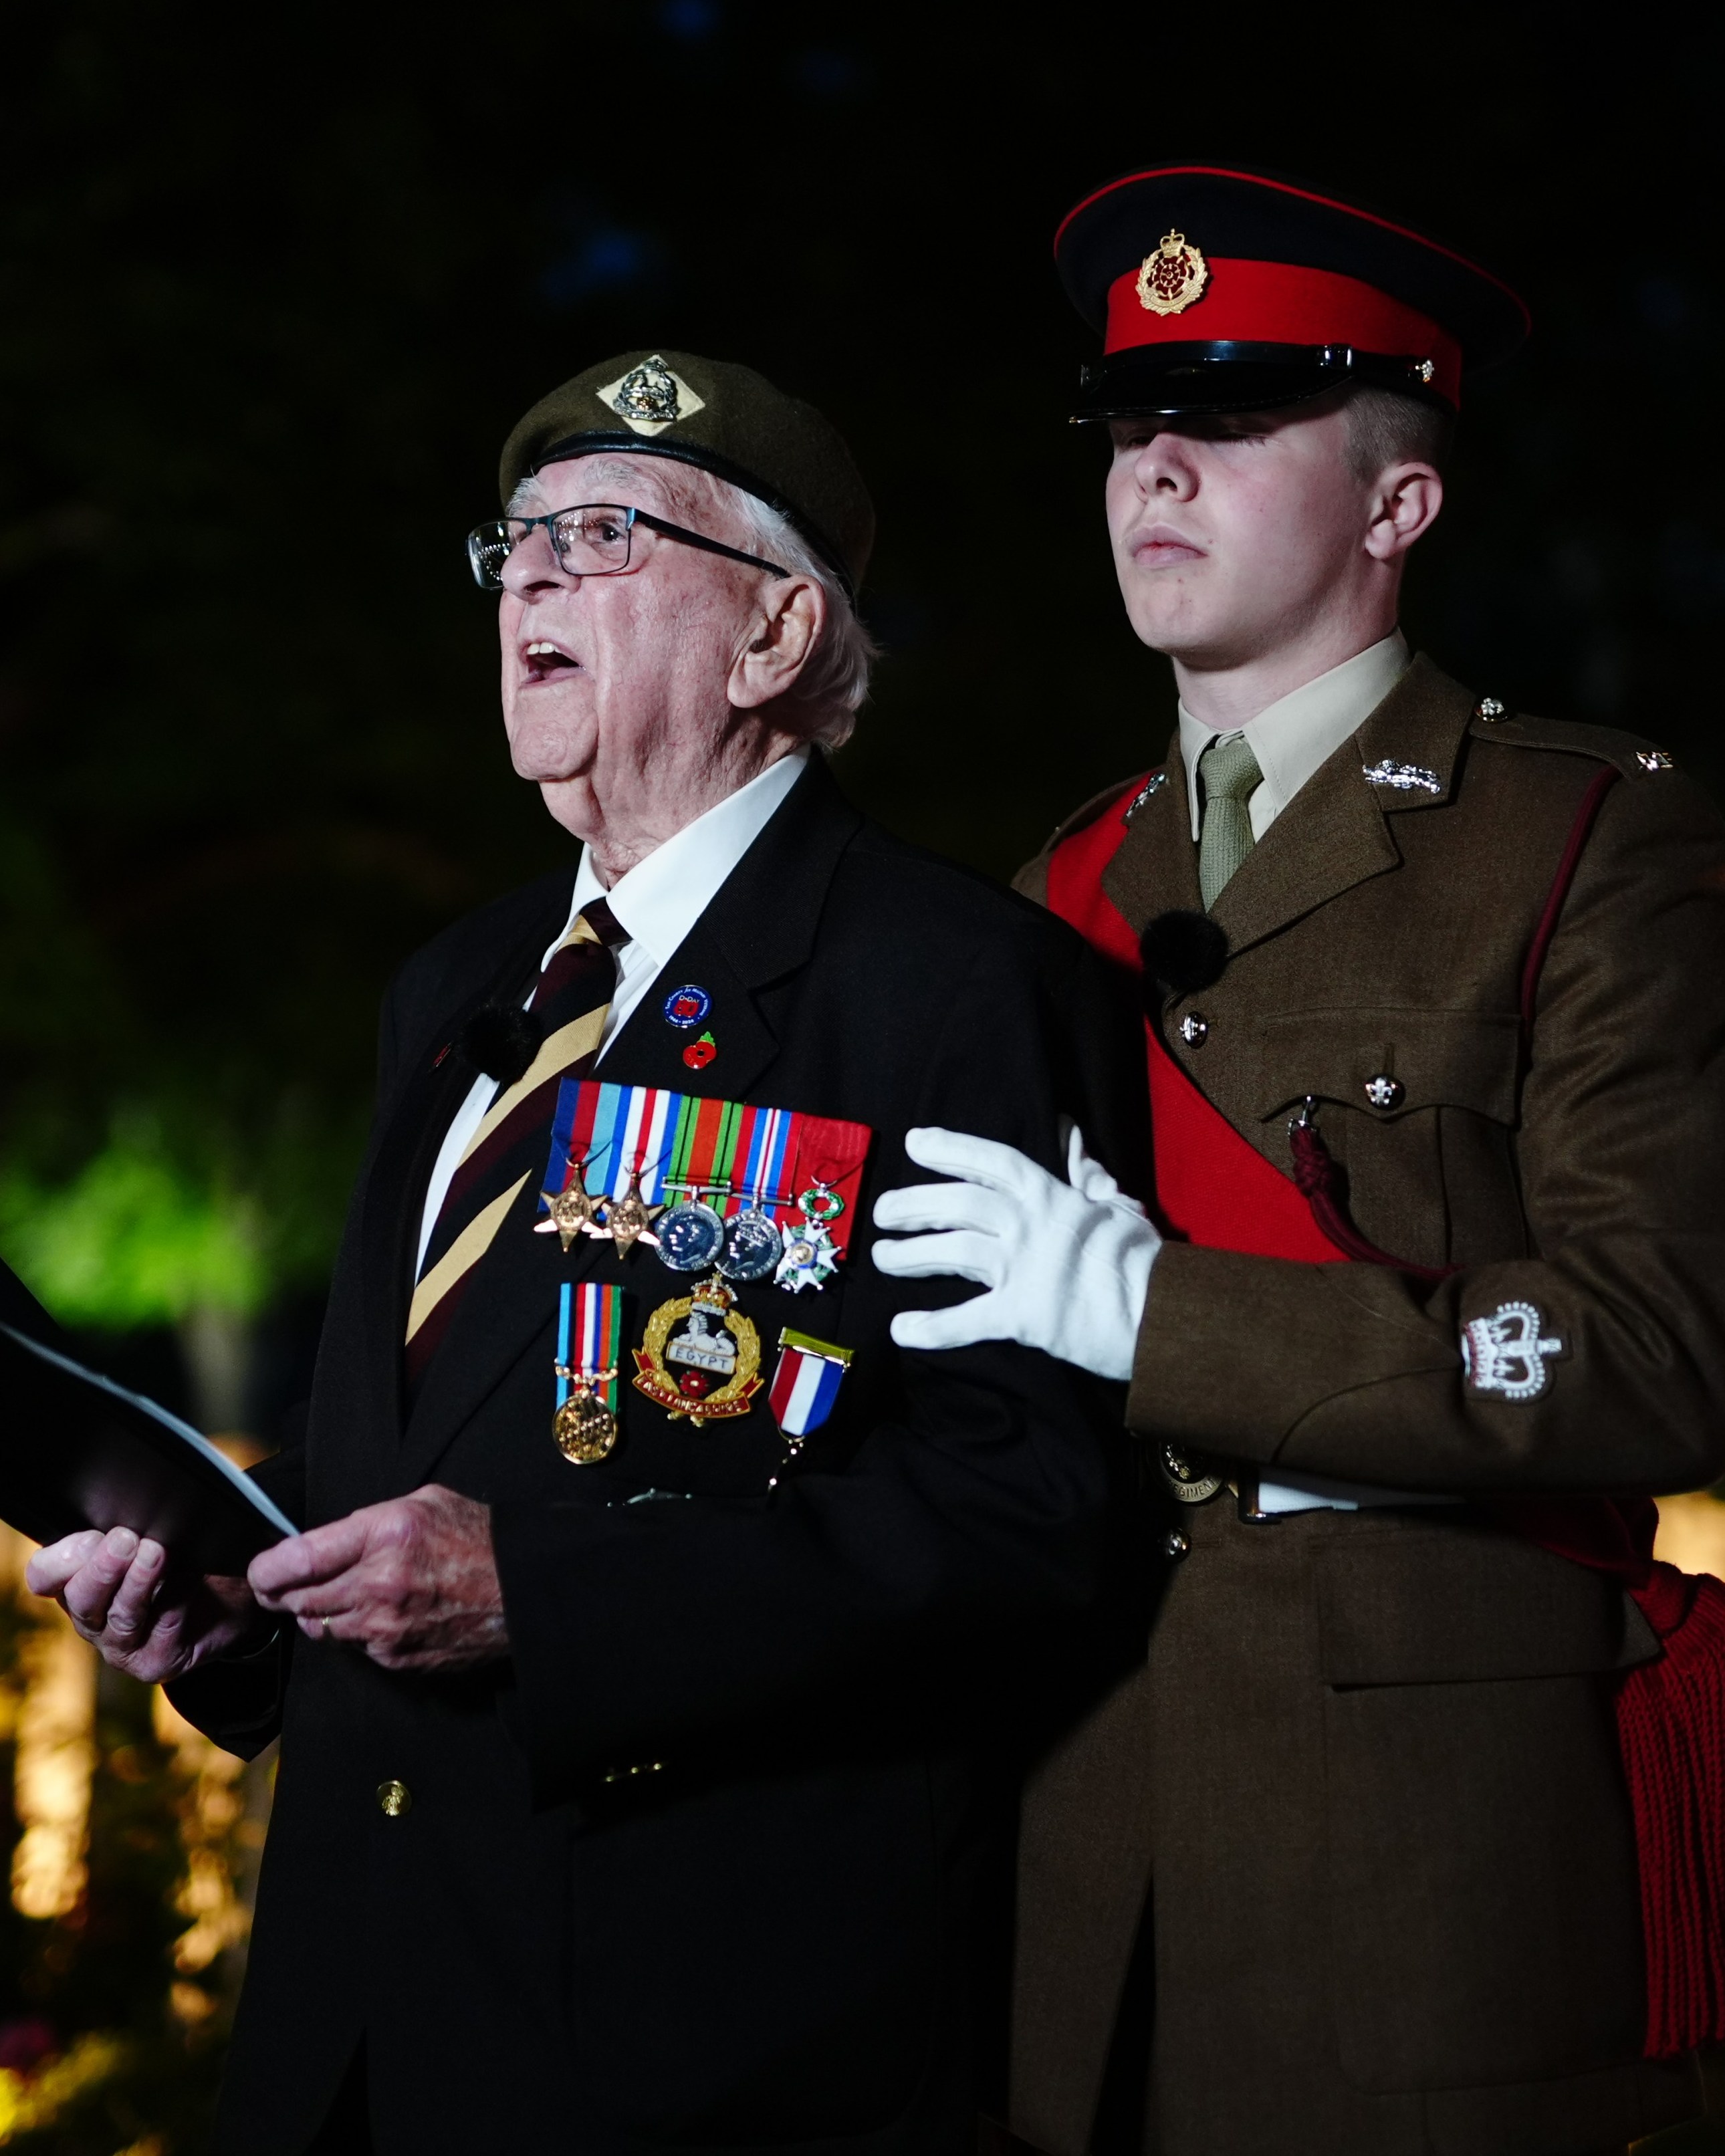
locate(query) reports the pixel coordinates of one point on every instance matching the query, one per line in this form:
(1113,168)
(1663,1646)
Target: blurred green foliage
(262,328)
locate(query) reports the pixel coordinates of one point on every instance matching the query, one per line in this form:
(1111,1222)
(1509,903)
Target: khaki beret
(725,418)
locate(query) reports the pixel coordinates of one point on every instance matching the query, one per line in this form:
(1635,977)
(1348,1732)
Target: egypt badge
(700,1357)
(1174,276)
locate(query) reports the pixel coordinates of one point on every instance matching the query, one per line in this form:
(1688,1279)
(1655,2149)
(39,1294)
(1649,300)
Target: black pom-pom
(1184,951)
(501,1040)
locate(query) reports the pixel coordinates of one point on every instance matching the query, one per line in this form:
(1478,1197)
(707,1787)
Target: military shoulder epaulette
(1081,818)
(1634,757)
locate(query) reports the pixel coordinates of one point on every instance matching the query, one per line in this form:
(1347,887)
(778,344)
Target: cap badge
(1174,276)
(650,397)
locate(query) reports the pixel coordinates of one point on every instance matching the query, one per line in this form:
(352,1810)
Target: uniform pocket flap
(1428,1606)
(1389,1062)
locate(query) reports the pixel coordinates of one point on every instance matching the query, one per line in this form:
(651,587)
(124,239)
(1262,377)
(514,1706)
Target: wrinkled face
(1232,534)
(606,676)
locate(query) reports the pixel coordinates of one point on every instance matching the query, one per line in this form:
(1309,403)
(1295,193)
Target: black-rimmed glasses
(591,540)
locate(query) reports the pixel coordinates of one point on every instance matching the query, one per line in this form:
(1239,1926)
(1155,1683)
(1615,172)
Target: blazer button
(1195,1029)
(394,1798)
(1174,1543)
(1384,1091)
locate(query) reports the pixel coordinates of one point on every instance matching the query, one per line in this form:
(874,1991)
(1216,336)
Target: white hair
(834,684)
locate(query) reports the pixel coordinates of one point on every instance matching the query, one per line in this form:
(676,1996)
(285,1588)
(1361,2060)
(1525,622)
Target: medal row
(617,1153)
(700,1360)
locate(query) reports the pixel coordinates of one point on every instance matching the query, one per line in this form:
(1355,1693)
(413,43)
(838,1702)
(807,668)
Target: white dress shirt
(1302,730)
(1291,738)
(656,905)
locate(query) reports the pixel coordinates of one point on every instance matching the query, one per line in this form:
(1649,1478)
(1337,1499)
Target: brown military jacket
(1369,1765)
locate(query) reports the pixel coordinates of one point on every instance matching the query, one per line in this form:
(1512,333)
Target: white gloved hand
(1067,1265)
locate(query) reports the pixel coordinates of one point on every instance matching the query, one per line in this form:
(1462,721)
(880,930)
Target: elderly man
(1435,994)
(656,1616)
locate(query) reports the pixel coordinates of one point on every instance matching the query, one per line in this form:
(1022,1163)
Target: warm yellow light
(53,1765)
(210,1811)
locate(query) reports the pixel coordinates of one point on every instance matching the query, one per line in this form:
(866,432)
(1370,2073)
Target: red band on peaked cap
(1368,275)
(1284,303)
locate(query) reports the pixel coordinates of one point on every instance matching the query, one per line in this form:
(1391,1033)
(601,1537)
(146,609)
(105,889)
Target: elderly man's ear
(781,638)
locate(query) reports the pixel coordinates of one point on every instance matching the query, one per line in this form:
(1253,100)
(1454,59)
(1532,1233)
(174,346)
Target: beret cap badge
(650,397)
(1174,276)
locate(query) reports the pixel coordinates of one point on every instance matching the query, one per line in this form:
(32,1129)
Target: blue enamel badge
(687,1006)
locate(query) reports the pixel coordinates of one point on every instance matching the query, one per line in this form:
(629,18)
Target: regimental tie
(572,995)
(1227,776)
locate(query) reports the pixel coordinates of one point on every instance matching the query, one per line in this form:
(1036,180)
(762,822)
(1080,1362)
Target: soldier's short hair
(1385,428)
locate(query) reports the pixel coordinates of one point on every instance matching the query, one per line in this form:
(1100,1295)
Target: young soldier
(1436,1034)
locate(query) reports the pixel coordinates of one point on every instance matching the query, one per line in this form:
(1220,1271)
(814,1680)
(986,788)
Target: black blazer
(699,1866)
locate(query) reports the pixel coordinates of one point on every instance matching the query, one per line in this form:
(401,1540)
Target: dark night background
(267,310)
(274,288)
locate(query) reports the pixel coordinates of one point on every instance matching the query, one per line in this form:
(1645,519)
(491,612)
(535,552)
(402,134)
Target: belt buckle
(1245,1488)
(1189,1481)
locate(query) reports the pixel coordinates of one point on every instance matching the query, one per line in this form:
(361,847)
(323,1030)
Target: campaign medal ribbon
(590,1348)
(759,1191)
(805,1385)
(606,1171)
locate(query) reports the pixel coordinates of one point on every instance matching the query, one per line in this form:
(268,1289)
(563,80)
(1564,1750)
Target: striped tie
(570,1000)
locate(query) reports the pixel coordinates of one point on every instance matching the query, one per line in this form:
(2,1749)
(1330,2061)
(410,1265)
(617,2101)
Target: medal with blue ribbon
(805,1385)
(589,1347)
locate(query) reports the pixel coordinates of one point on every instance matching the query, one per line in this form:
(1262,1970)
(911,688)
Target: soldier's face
(1232,534)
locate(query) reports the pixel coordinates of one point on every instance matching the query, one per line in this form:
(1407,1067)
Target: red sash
(1215,1189)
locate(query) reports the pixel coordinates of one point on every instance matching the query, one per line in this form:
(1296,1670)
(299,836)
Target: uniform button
(393,1798)
(1195,1029)
(1384,1091)
(1174,1543)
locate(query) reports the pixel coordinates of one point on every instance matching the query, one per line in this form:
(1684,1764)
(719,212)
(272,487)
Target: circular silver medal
(691,1237)
(752,1245)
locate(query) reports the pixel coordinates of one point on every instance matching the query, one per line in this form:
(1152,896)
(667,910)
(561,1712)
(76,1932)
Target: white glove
(1067,1265)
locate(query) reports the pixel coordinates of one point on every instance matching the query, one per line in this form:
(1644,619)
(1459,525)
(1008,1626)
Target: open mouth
(544,661)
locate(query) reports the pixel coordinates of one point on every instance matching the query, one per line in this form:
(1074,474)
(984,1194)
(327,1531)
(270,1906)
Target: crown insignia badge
(1506,1352)
(1172,278)
(650,397)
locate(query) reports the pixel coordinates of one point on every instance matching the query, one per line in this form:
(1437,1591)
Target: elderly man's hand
(412,1581)
(122,1597)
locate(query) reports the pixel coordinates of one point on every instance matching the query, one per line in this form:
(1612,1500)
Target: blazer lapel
(760,928)
(413,1130)
(1154,868)
(1335,833)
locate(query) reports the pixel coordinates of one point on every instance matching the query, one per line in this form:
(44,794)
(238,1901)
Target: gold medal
(628,1220)
(700,1357)
(584,1426)
(569,1212)
(590,1348)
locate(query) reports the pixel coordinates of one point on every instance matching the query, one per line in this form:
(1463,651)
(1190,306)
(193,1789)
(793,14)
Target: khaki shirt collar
(1296,734)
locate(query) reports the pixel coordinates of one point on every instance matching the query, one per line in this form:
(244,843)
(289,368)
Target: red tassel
(1671,1724)
(1671,1730)
(1320,1184)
